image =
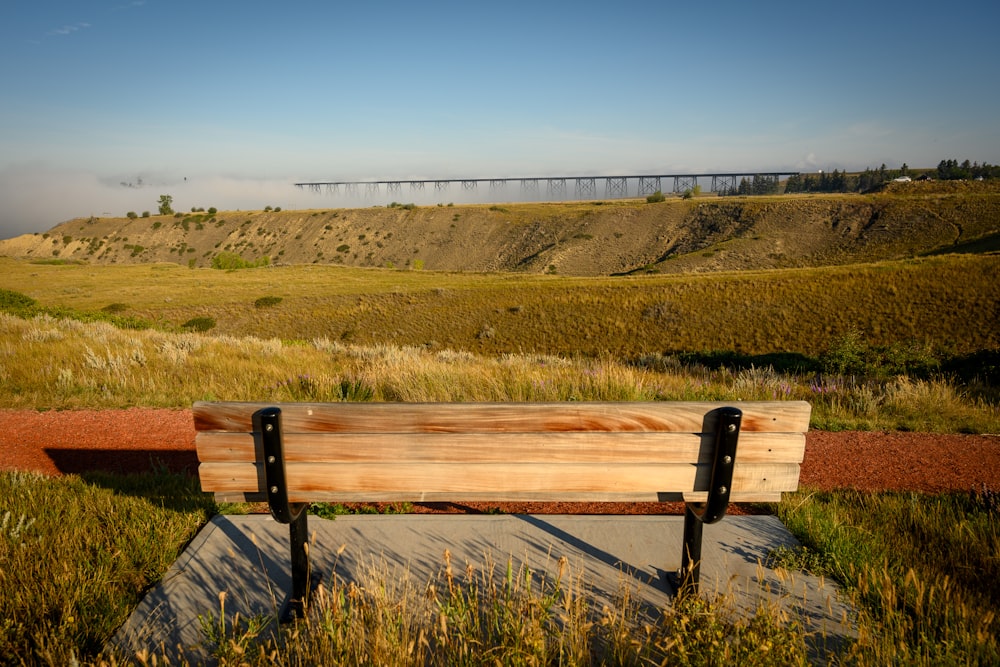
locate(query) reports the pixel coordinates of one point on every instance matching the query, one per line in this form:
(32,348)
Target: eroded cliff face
(580,238)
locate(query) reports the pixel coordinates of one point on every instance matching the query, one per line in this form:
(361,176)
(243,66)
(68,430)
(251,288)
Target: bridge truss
(556,188)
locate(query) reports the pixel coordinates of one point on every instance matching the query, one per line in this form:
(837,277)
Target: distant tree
(145,214)
(131,215)
(212,210)
(165,205)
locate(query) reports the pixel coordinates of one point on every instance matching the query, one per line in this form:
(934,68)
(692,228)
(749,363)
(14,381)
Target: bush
(655,198)
(15,302)
(199,324)
(145,214)
(267,301)
(131,215)
(212,210)
(230,261)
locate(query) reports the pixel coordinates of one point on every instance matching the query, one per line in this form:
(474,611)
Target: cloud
(69,29)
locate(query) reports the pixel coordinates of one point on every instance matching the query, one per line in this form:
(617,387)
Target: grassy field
(946,304)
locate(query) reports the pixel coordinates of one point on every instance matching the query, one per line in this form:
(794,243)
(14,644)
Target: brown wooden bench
(706,454)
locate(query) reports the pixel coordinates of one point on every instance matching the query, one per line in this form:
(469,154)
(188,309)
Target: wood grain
(424,452)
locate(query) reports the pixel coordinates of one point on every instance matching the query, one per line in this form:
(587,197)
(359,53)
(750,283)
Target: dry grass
(48,363)
(943,303)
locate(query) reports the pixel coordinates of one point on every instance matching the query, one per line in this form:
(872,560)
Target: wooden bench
(706,454)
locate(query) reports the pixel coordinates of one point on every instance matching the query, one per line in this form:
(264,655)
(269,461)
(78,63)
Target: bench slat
(502,447)
(349,482)
(762,416)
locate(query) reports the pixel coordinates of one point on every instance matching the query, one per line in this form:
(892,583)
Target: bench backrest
(421,452)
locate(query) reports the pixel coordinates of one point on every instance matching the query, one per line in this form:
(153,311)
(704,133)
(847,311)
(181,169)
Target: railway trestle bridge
(555,188)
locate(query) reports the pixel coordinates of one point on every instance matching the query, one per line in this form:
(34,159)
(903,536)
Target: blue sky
(242,97)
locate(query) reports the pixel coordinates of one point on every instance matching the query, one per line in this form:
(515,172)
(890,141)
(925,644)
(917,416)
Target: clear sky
(244,97)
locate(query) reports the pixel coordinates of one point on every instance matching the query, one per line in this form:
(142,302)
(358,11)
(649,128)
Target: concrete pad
(247,557)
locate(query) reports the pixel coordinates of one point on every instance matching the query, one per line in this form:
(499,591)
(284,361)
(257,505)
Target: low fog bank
(35,199)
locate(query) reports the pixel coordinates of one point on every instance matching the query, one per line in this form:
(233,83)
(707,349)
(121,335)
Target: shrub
(145,214)
(212,210)
(656,197)
(115,308)
(267,301)
(15,302)
(131,215)
(199,324)
(230,261)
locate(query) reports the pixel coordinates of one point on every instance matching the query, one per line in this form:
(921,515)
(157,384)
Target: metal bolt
(274,489)
(723,489)
(270,459)
(269,427)
(731,428)
(727,459)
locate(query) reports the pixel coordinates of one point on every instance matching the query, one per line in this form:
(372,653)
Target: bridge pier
(556,188)
(724,183)
(616,187)
(648,185)
(683,183)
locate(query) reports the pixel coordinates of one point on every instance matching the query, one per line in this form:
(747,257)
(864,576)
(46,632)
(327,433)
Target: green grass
(76,555)
(921,569)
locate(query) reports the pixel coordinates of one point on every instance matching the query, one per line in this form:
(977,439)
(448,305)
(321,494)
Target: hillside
(579,238)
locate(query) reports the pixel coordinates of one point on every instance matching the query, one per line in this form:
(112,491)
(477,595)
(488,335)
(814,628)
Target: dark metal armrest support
(267,422)
(727,432)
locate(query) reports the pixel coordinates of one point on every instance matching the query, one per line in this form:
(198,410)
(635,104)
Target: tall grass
(921,570)
(77,553)
(59,364)
(504,615)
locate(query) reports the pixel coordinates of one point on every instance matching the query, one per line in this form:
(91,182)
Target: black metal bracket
(696,515)
(267,422)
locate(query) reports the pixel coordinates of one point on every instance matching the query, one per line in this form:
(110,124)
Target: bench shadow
(77,460)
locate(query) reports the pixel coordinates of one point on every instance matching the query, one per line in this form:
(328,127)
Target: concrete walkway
(247,558)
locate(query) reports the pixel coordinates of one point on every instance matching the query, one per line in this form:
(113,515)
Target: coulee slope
(577,238)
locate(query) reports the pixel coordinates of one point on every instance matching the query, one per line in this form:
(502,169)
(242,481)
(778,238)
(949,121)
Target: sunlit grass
(944,303)
(48,363)
(922,570)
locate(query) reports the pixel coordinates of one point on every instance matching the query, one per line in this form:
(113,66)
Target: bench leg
(298,532)
(691,557)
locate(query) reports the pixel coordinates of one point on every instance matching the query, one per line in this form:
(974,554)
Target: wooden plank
(743,497)
(503,447)
(764,416)
(317,482)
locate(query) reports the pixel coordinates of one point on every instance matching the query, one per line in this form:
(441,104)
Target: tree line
(871,179)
